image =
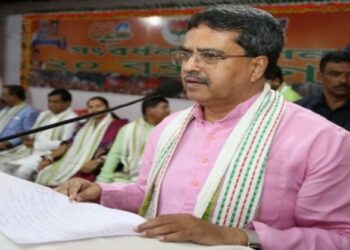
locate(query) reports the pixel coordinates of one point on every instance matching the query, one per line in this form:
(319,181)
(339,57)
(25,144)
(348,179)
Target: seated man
(23,159)
(242,166)
(82,155)
(275,78)
(334,102)
(130,142)
(16,117)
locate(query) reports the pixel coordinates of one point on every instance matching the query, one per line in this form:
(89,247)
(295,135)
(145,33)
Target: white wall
(12,49)
(38,96)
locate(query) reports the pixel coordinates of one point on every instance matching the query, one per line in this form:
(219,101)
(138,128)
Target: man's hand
(185,227)
(5,145)
(43,164)
(28,142)
(80,190)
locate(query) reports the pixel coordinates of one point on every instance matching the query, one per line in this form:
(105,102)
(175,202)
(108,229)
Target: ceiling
(10,7)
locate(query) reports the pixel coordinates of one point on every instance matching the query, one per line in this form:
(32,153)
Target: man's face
(336,79)
(8,99)
(159,112)
(56,105)
(226,81)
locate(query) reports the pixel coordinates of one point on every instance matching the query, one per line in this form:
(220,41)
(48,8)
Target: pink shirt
(303,205)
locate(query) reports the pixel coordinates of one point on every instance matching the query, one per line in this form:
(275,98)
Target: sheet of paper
(31,213)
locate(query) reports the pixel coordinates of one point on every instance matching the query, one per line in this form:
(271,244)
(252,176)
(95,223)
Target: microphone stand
(77,118)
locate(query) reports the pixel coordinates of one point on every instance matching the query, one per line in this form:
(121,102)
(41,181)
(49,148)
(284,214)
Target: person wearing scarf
(241,166)
(22,160)
(17,116)
(82,155)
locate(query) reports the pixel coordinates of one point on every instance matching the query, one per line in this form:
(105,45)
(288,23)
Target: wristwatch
(253,239)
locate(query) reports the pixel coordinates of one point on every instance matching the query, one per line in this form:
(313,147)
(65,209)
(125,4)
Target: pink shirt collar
(237,112)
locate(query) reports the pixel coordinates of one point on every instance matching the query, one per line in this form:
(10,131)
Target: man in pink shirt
(242,166)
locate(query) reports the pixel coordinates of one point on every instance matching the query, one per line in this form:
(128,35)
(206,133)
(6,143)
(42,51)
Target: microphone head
(169,88)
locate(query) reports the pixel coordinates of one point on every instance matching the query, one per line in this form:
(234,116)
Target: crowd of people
(243,166)
(75,149)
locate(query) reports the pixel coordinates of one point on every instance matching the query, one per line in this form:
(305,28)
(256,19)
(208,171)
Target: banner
(129,51)
(311,30)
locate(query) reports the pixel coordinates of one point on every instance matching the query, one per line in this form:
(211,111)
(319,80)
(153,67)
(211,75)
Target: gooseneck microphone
(167,89)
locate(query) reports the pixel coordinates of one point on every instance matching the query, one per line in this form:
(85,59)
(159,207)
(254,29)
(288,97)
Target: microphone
(167,89)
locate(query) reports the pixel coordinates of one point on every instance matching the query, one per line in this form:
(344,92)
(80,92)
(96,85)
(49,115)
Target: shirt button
(204,159)
(212,137)
(195,183)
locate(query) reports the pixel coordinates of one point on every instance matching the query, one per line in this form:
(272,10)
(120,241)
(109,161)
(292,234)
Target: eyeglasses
(209,57)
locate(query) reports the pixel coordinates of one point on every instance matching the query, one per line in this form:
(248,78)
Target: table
(114,243)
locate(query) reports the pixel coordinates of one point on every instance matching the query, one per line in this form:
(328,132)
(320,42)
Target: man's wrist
(48,158)
(101,159)
(253,239)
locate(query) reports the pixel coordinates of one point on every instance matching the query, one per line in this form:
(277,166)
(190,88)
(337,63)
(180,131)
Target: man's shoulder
(28,110)
(127,128)
(28,107)
(301,131)
(70,113)
(309,101)
(133,123)
(298,119)
(44,112)
(296,111)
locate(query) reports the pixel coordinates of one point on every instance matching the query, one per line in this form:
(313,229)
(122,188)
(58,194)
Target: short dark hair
(334,56)
(63,93)
(152,102)
(259,32)
(275,73)
(17,91)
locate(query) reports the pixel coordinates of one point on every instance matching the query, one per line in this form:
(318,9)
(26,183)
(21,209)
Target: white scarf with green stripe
(81,150)
(45,118)
(135,136)
(232,191)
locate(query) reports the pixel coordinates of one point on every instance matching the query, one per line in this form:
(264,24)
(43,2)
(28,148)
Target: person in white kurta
(22,160)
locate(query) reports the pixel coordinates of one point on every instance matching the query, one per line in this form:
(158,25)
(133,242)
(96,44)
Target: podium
(114,243)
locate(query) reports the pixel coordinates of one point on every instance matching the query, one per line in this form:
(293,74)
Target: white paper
(31,213)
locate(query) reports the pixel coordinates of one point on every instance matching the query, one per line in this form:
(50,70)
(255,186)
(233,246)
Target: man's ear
(259,65)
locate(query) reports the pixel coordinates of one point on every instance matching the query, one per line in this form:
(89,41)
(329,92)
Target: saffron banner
(129,51)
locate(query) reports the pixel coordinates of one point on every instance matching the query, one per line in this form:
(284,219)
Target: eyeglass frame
(218,57)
